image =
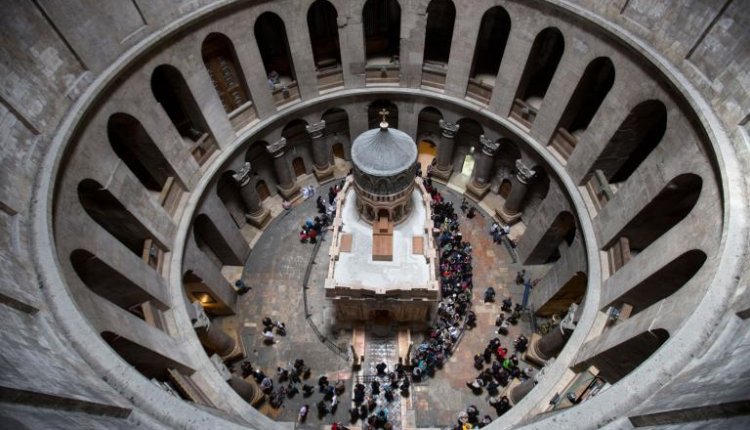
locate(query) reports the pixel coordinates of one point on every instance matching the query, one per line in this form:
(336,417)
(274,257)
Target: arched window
(541,65)
(673,203)
(589,94)
(488,53)
(562,229)
(382,26)
(110,214)
(374,117)
(225,71)
(172,92)
(270,33)
(324,35)
(135,148)
(229,193)
(633,141)
(441,15)
(212,243)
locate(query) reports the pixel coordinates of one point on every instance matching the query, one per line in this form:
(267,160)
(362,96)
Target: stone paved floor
(275,270)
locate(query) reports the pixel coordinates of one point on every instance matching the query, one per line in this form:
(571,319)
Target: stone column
(287,185)
(248,390)
(480,181)
(320,150)
(518,392)
(543,348)
(511,210)
(211,336)
(256,213)
(445,150)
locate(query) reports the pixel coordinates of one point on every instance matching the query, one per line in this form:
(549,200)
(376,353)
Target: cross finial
(383,113)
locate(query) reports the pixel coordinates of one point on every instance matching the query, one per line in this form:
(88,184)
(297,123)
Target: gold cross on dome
(383,113)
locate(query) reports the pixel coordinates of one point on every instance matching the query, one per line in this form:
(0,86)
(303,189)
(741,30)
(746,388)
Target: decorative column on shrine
(480,181)
(256,214)
(320,150)
(287,185)
(444,166)
(510,213)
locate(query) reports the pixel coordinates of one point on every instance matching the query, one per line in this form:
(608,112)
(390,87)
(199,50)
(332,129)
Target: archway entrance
(338,150)
(427,152)
(262,190)
(299,166)
(468,165)
(505,188)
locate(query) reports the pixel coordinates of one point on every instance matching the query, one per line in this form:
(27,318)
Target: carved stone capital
(449,129)
(277,148)
(242,177)
(489,147)
(315,130)
(523,172)
(201,319)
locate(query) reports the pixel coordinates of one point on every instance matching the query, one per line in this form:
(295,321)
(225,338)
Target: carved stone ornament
(242,177)
(489,147)
(315,130)
(523,172)
(277,148)
(449,129)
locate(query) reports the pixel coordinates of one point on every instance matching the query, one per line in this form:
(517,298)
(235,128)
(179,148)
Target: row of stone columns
(480,182)
(288,188)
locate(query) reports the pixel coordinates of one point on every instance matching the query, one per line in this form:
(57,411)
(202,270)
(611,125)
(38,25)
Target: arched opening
(488,53)
(298,165)
(589,94)
(662,283)
(110,214)
(324,37)
(427,151)
(381,20)
(504,167)
(618,361)
(337,122)
(220,60)
(262,188)
(441,16)
(112,285)
(540,68)
(338,151)
(537,191)
(374,116)
(228,192)
(571,292)
(562,229)
(673,203)
(270,33)
(137,150)
(466,140)
(428,135)
(197,290)
(149,363)
(212,243)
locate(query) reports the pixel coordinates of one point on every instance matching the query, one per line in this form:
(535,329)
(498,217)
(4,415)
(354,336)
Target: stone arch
(490,46)
(618,361)
(428,124)
(225,71)
(540,68)
(108,283)
(133,145)
(504,164)
(228,192)
(148,362)
(381,21)
(210,240)
(589,94)
(107,211)
(466,138)
(571,292)
(324,34)
(561,230)
(537,192)
(441,17)
(638,135)
(673,203)
(270,33)
(172,92)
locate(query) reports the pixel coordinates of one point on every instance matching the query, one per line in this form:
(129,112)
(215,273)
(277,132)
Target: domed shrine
(383,261)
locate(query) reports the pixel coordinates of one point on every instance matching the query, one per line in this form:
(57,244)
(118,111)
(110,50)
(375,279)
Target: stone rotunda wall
(87,235)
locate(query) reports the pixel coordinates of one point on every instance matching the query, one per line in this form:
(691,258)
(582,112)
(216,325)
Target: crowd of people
(373,401)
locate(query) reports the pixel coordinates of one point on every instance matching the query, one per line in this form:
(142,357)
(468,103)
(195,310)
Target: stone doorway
(299,166)
(262,188)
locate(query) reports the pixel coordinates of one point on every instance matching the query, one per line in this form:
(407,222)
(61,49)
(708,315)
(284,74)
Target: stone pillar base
(291,193)
(531,355)
(511,385)
(238,353)
(477,191)
(442,175)
(507,218)
(324,173)
(260,219)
